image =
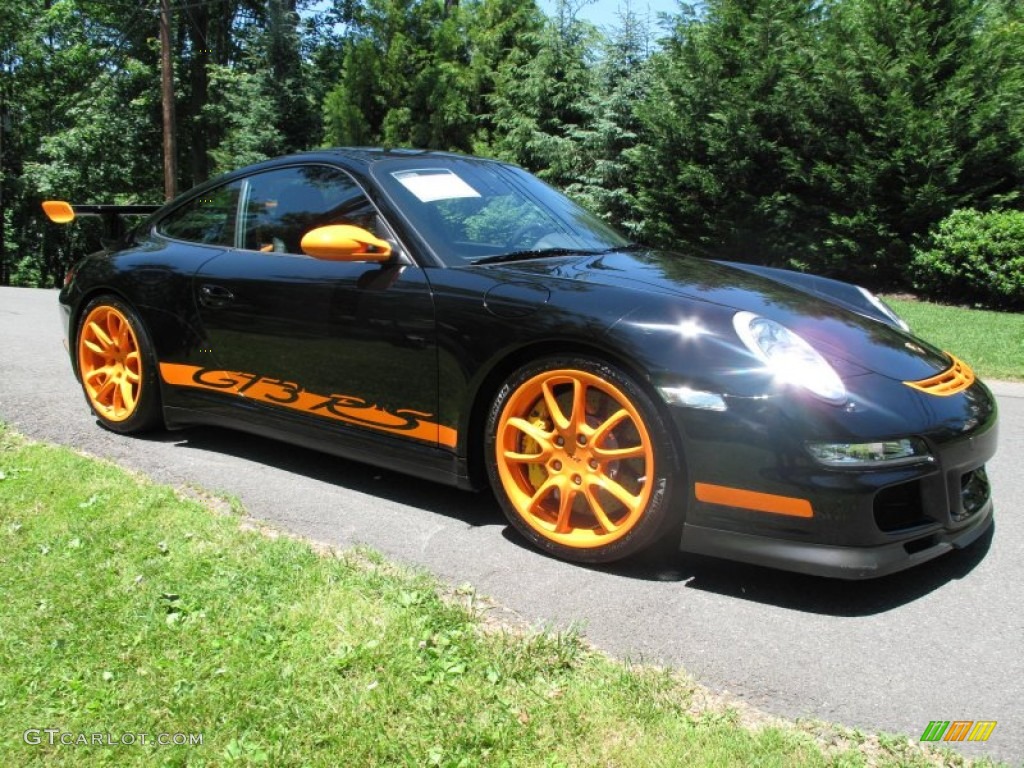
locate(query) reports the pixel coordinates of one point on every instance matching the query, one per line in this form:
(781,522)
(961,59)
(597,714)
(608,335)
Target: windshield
(469,210)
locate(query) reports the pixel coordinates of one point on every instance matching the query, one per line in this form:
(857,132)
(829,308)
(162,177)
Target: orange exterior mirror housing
(344,242)
(58,211)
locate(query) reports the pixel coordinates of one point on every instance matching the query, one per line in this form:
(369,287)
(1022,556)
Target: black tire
(116,366)
(605,491)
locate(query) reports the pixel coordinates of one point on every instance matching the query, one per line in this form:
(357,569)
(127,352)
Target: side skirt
(422,461)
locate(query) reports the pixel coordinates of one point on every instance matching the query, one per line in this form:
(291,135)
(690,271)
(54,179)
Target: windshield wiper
(539,253)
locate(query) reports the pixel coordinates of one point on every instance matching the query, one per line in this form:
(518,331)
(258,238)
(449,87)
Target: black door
(352,343)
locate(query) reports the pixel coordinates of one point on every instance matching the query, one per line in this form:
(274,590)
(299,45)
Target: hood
(835,331)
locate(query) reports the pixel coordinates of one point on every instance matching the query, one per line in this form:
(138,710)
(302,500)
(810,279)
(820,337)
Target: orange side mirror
(344,242)
(58,211)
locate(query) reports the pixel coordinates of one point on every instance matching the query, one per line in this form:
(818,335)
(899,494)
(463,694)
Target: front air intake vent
(900,507)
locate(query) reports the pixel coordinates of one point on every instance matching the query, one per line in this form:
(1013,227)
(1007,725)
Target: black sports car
(456,319)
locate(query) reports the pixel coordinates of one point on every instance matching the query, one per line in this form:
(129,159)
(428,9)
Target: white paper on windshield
(434,184)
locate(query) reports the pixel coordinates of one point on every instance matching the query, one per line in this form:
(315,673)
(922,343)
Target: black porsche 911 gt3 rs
(456,319)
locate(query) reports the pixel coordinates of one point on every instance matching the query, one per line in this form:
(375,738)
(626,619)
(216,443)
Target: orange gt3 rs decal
(288,394)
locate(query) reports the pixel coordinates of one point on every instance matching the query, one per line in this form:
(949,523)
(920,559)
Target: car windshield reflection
(474,212)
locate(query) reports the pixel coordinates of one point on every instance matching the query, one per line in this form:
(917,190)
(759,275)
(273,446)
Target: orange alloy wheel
(574,458)
(110,363)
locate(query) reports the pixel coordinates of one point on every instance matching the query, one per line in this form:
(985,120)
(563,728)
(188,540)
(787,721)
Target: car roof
(367,156)
(356,160)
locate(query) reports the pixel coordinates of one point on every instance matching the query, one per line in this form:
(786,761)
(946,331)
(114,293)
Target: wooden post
(167,92)
(5,270)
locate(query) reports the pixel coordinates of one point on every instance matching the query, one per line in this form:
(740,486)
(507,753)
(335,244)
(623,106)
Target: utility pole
(167,91)
(5,273)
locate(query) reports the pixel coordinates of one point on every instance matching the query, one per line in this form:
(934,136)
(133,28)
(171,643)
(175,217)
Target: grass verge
(991,342)
(129,612)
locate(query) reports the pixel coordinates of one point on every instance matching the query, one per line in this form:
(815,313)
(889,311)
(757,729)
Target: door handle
(215,295)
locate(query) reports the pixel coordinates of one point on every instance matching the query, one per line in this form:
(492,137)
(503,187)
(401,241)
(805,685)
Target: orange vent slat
(956,378)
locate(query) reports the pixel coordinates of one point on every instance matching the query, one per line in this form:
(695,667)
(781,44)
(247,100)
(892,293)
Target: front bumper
(843,523)
(830,560)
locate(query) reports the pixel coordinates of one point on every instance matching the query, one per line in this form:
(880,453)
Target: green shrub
(973,257)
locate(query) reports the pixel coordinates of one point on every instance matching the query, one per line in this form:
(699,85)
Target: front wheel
(116,366)
(580,460)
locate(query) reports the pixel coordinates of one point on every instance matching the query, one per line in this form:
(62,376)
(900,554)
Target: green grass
(991,342)
(127,609)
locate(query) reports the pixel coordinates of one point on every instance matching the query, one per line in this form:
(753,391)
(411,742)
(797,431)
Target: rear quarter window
(208,219)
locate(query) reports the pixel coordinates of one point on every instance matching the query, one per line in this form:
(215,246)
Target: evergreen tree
(823,134)
(728,120)
(612,139)
(830,135)
(503,35)
(405,78)
(540,99)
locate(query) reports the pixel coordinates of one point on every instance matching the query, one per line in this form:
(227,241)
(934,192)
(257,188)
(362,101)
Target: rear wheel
(116,366)
(579,459)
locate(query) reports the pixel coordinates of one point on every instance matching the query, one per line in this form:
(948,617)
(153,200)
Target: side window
(209,218)
(282,206)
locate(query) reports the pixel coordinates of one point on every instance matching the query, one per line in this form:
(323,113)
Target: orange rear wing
(60,212)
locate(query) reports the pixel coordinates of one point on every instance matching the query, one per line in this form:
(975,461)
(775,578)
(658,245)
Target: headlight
(884,308)
(791,359)
(884,453)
